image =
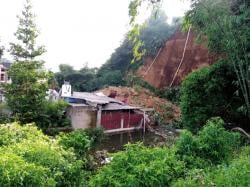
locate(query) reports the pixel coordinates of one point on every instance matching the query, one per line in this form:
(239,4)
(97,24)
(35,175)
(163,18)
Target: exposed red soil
(143,98)
(162,71)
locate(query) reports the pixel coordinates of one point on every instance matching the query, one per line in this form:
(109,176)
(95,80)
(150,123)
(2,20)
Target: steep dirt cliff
(160,73)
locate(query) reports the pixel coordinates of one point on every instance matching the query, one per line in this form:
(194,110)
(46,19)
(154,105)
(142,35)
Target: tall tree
(25,48)
(26,94)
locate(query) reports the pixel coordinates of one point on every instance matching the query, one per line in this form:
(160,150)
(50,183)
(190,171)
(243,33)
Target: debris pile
(144,98)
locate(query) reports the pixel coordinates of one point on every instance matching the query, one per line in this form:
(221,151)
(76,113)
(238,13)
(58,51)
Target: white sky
(77,31)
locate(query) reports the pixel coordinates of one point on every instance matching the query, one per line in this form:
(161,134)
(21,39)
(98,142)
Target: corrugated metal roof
(78,104)
(116,106)
(92,97)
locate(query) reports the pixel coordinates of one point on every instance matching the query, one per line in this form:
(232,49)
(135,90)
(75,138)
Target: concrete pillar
(99,116)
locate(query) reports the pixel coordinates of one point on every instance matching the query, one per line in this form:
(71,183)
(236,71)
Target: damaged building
(90,110)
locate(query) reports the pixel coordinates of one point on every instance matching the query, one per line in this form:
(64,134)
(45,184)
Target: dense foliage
(26,94)
(141,166)
(212,145)
(210,92)
(226,27)
(236,173)
(54,115)
(29,158)
(82,142)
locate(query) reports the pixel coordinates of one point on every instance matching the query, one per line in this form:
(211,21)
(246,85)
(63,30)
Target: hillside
(162,71)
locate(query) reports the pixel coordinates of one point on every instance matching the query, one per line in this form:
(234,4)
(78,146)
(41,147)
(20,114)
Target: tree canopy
(26,94)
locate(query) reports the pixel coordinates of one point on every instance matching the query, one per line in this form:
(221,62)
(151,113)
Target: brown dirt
(141,97)
(161,73)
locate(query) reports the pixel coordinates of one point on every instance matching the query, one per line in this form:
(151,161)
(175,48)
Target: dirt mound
(161,73)
(141,97)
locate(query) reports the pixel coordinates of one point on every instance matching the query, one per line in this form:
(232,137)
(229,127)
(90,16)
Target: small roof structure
(94,98)
(86,99)
(115,106)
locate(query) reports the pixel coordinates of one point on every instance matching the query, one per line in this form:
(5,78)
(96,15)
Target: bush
(234,174)
(14,133)
(77,140)
(5,114)
(82,141)
(212,145)
(15,171)
(96,136)
(139,166)
(209,92)
(41,160)
(54,115)
(172,94)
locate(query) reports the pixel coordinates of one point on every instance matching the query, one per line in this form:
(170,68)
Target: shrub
(34,152)
(54,115)
(234,174)
(14,133)
(77,140)
(82,141)
(209,92)
(96,136)
(215,143)
(139,166)
(212,145)
(15,171)
(172,94)
(5,114)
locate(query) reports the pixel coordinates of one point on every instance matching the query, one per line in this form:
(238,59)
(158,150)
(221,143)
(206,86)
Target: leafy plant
(212,145)
(82,141)
(28,157)
(54,115)
(140,166)
(234,174)
(210,92)
(223,25)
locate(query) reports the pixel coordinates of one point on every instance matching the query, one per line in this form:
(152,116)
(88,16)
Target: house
(4,78)
(88,110)
(4,66)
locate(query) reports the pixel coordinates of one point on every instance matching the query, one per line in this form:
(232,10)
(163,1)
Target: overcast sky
(77,31)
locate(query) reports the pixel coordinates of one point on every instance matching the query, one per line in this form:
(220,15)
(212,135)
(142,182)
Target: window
(2,77)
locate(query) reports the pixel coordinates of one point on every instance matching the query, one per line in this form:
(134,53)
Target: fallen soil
(161,73)
(144,98)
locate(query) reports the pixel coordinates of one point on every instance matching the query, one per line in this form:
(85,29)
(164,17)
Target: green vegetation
(212,148)
(205,154)
(114,71)
(81,140)
(26,94)
(54,115)
(236,173)
(226,27)
(212,145)
(29,158)
(140,166)
(210,92)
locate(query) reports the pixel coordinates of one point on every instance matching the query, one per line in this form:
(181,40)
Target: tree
(25,48)
(226,27)
(26,94)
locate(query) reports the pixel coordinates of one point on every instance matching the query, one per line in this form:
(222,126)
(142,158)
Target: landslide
(159,70)
(142,97)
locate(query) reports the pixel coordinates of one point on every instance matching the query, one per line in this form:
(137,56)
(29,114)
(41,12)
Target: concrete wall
(82,117)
